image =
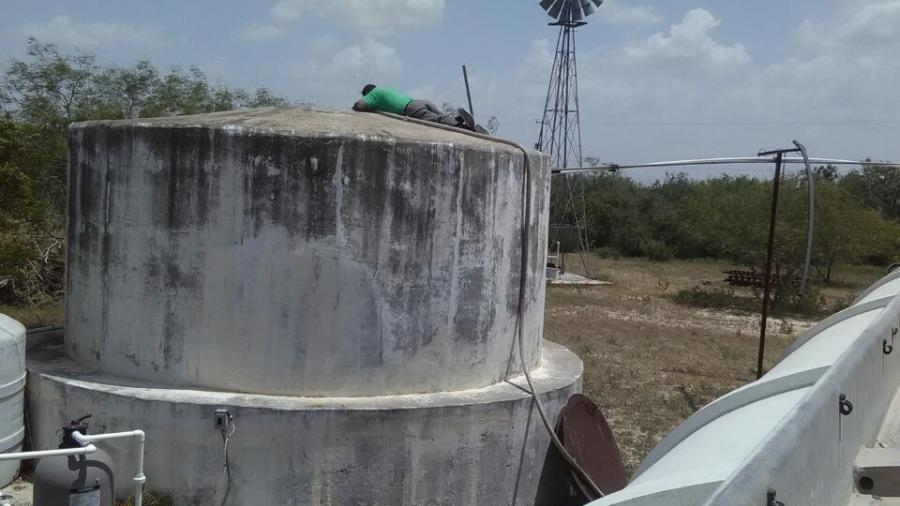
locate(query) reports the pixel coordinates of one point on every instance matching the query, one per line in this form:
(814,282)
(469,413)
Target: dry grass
(650,362)
(36,316)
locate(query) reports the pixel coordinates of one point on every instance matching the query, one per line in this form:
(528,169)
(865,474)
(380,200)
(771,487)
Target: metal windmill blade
(590,6)
(557,8)
(575,11)
(572,11)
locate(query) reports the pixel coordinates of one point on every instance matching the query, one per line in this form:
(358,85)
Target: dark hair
(367,88)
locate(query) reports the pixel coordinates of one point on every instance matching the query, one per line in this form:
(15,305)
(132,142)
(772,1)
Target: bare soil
(651,362)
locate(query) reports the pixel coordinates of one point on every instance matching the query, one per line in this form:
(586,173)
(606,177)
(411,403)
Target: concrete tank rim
(283,121)
(559,369)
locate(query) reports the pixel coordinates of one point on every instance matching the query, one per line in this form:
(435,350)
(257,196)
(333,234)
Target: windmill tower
(560,134)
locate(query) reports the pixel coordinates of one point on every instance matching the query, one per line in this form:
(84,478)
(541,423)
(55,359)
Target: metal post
(769,254)
(468,93)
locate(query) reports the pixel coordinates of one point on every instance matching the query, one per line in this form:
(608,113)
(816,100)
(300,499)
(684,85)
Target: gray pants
(423,109)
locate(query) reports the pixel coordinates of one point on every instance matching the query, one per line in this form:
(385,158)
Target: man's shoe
(468,120)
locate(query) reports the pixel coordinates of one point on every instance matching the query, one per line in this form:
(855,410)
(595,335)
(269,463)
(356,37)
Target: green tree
(877,187)
(51,89)
(39,97)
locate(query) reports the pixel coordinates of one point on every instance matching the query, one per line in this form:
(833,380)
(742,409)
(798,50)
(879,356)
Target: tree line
(40,96)
(857,220)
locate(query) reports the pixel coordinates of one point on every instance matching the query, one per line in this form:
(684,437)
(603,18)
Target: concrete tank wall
(472,448)
(294,252)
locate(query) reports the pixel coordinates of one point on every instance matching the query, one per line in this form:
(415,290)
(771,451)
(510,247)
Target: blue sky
(659,79)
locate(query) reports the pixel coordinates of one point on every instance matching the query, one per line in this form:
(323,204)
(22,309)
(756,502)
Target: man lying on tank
(380,98)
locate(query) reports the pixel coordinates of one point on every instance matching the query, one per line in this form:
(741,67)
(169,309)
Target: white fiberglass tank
(12,388)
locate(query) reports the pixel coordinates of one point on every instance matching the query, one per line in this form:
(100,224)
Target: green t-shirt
(387,100)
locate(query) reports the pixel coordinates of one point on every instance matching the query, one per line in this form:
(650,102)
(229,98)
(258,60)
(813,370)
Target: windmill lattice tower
(560,134)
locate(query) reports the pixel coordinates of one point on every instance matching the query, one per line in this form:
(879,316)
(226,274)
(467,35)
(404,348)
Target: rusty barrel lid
(586,435)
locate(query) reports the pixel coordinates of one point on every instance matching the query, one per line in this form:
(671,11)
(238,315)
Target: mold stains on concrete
(227,247)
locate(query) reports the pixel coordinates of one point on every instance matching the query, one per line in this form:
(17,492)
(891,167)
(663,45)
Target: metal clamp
(845,406)
(886,348)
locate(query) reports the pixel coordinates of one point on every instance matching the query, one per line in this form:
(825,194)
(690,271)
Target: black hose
(523,276)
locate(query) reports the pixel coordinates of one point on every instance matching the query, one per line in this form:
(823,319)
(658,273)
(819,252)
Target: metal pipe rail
(721,161)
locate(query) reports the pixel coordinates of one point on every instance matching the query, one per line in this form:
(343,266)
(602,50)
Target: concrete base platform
(472,447)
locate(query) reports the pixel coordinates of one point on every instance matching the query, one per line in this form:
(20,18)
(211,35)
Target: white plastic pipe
(139,478)
(89,448)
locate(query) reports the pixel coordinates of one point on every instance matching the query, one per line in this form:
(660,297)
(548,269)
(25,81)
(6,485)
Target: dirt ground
(651,362)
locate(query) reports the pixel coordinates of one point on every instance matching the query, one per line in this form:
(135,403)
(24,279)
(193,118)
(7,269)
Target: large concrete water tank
(12,394)
(306,259)
(346,284)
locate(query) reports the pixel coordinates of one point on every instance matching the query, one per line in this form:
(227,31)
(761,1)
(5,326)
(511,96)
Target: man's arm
(361,106)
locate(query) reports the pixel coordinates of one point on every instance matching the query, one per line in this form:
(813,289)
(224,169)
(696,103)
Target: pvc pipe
(811,219)
(89,448)
(139,478)
(720,161)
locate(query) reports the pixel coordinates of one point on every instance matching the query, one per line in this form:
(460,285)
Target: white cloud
(66,30)
(324,45)
(370,56)
(616,12)
(690,40)
(685,92)
(370,59)
(426,92)
(367,16)
(876,22)
(289,10)
(335,77)
(261,31)
(541,54)
(809,35)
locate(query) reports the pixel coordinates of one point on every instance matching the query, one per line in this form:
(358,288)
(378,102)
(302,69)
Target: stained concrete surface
(299,252)
(345,284)
(472,447)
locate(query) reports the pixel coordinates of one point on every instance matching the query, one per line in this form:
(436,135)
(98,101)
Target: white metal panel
(718,447)
(808,458)
(826,346)
(713,452)
(888,289)
(895,274)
